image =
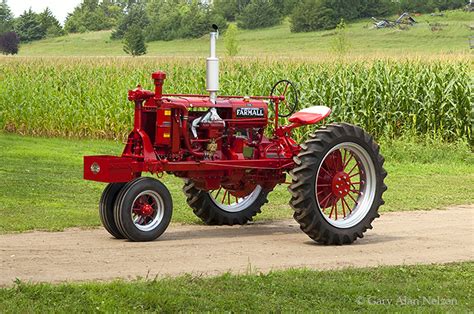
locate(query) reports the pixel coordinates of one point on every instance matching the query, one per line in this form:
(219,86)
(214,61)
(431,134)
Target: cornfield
(86,97)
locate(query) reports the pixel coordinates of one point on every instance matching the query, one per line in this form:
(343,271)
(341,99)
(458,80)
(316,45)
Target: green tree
(165,19)
(28,27)
(289,6)
(312,15)
(50,24)
(449,4)
(340,43)
(230,40)
(369,8)
(134,41)
(92,15)
(346,9)
(418,6)
(229,9)
(112,11)
(196,19)
(226,8)
(135,15)
(6,17)
(171,19)
(259,14)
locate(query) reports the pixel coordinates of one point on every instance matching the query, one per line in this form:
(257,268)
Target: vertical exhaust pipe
(212,67)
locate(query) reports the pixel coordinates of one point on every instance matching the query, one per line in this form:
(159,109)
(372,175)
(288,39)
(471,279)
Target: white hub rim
(232,204)
(359,198)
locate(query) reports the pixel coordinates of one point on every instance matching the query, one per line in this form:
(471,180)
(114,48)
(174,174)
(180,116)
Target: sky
(60,8)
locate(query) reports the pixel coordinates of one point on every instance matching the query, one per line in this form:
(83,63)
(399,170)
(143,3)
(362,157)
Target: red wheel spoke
(356,164)
(324,184)
(327,172)
(354,175)
(353,185)
(353,198)
(136,210)
(335,211)
(223,198)
(347,205)
(343,209)
(228,198)
(286,88)
(344,158)
(236,200)
(350,158)
(218,192)
(329,200)
(335,163)
(332,209)
(325,199)
(355,191)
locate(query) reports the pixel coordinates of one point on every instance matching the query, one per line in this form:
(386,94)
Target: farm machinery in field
(220,146)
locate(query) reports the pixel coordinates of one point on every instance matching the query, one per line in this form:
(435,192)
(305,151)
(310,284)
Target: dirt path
(397,238)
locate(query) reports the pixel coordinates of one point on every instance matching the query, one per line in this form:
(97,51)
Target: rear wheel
(223,207)
(143,209)
(338,184)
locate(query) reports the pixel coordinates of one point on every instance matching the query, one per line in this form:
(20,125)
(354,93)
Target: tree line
(172,19)
(27,27)
(311,15)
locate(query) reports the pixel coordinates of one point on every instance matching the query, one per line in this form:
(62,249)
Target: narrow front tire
(143,209)
(106,209)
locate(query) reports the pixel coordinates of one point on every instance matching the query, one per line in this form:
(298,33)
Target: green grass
(41,184)
(278,40)
(407,289)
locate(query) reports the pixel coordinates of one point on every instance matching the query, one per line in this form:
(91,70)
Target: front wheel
(106,209)
(143,209)
(337,184)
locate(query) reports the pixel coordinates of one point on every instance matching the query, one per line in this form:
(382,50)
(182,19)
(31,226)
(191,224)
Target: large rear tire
(232,211)
(337,184)
(143,209)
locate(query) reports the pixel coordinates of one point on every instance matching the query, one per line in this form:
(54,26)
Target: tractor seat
(310,115)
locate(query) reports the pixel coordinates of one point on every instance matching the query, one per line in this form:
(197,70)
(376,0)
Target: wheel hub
(341,184)
(146,210)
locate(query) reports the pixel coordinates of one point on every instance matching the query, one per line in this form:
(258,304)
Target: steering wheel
(288,90)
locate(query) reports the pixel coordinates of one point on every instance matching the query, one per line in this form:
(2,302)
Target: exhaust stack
(212,67)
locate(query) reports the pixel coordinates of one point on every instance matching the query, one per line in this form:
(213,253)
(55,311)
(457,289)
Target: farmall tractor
(220,146)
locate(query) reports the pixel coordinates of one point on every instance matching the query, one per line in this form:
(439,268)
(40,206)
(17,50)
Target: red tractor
(220,147)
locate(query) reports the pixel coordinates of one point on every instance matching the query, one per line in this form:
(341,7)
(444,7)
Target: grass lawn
(41,184)
(279,41)
(431,288)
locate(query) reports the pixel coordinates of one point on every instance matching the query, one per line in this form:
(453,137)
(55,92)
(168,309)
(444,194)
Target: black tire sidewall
(106,209)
